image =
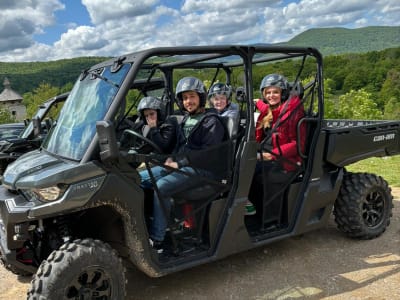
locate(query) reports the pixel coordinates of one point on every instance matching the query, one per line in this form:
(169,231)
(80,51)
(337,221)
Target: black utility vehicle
(73,212)
(11,130)
(32,135)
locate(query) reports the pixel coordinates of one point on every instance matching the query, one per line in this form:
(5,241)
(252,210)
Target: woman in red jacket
(276,127)
(276,131)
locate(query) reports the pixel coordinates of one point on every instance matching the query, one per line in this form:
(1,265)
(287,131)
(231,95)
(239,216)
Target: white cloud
(121,26)
(104,10)
(18,23)
(223,5)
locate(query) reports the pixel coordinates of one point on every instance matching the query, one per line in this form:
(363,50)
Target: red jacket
(284,137)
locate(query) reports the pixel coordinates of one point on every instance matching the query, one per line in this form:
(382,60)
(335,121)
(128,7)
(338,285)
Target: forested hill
(341,40)
(25,77)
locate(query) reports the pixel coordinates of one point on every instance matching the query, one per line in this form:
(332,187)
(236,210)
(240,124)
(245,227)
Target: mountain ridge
(339,40)
(26,76)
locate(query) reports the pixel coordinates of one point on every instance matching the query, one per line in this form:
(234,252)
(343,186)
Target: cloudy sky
(42,30)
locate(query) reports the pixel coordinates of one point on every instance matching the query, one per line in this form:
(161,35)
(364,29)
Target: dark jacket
(204,147)
(163,135)
(208,131)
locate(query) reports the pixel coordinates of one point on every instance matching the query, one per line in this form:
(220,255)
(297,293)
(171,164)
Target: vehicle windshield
(87,103)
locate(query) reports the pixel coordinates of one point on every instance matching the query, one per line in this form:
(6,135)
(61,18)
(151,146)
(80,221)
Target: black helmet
(149,103)
(220,89)
(191,84)
(276,80)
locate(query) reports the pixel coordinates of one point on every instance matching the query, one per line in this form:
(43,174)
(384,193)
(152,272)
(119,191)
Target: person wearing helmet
(161,132)
(199,130)
(152,126)
(278,121)
(276,131)
(219,98)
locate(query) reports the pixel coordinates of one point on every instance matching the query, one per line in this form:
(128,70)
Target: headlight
(51,193)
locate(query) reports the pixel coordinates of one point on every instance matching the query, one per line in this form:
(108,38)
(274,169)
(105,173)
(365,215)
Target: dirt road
(319,265)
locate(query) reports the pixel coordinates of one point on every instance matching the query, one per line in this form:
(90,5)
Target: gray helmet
(149,103)
(220,89)
(276,80)
(191,84)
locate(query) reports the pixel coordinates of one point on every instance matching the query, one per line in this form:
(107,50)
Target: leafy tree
(392,109)
(358,105)
(43,92)
(6,117)
(331,101)
(355,79)
(391,86)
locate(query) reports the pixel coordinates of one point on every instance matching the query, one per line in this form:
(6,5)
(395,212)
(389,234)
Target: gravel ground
(323,264)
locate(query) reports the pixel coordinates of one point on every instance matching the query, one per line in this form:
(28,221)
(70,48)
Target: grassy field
(387,167)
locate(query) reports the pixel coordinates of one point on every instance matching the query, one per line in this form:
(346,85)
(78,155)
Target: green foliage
(27,76)
(392,109)
(341,40)
(6,117)
(373,74)
(43,92)
(391,92)
(358,105)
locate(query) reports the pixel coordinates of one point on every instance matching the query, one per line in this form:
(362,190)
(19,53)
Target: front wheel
(82,269)
(364,206)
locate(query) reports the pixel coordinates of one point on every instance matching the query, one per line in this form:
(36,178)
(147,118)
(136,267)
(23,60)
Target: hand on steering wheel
(141,137)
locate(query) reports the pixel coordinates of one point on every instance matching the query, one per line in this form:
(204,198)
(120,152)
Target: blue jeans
(157,172)
(169,185)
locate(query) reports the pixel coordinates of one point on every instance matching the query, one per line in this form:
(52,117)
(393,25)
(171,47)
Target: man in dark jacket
(199,130)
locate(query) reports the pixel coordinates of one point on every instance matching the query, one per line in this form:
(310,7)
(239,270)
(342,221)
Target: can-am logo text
(384,137)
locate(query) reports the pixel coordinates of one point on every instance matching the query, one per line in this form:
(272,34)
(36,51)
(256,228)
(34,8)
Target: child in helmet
(199,130)
(219,98)
(161,132)
(153,126)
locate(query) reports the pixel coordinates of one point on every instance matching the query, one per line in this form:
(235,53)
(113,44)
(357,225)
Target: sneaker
(249,209)
(157,245)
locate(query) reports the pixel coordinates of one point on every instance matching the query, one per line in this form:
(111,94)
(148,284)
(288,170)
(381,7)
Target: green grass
(387,167)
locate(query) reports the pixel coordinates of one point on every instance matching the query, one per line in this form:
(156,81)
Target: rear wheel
(82,269)
(364,206)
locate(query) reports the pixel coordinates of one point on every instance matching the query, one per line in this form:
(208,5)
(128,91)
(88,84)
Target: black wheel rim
(92,283)
(374,209)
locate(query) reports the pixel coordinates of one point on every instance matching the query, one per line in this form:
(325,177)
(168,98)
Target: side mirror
(107,141)
(37,126)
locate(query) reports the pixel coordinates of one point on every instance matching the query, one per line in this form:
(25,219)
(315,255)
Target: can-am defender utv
(73,212)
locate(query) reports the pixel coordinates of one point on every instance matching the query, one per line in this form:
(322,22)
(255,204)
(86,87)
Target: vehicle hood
(38,169)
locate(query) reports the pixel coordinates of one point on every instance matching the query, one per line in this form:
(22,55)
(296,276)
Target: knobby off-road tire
(82,269)
(364,206)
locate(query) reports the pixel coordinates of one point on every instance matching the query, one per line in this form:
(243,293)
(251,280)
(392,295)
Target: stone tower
(12,101)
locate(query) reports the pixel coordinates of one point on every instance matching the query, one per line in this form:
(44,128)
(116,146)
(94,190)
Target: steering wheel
(146,141)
